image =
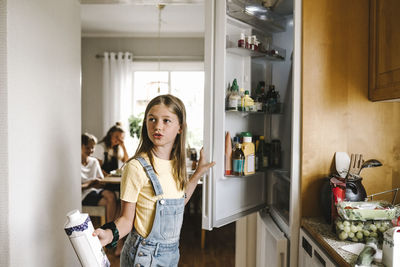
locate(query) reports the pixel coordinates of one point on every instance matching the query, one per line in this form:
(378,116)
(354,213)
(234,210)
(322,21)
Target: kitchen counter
(322,233)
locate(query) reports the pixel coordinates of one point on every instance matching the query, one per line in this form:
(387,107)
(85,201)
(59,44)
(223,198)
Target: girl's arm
(126,157)
(202,167)
(124,224)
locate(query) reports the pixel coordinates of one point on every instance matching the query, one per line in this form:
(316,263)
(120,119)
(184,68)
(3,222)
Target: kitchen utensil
(342,163)
(356,162)
(371,163)
(355,191)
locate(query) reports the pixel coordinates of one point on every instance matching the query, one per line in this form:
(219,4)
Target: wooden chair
(96,211)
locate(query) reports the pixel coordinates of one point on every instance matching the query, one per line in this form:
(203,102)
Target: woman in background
(111,151)
(92,193)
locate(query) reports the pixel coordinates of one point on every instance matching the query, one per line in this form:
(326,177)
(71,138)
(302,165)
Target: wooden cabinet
(384,50)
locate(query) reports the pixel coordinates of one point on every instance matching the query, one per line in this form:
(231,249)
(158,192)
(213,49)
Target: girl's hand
(203,166)
(105,236)
(121,142)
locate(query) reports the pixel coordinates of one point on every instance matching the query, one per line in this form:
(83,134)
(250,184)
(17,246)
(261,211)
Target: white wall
(92,68)
(43,113)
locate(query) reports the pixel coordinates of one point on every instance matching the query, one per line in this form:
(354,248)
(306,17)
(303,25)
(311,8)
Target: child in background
(111,151)
(155,189)
(90,175)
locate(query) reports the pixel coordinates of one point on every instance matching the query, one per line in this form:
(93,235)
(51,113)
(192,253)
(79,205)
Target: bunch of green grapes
(357,231)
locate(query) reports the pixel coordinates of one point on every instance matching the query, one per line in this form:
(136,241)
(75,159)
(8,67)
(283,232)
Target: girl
(155,189)
(90,174)
(111,151)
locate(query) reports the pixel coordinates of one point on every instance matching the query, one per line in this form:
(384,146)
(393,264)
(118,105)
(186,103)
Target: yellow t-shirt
(136,188)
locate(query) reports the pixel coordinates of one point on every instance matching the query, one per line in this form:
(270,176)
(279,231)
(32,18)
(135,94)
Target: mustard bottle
(249,154)
(248,102)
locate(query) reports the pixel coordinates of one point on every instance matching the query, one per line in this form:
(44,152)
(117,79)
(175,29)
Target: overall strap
(152,176)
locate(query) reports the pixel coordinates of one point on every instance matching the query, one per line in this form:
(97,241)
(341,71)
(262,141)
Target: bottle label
(265,162)
(250,163)
(238,166)
(233,104)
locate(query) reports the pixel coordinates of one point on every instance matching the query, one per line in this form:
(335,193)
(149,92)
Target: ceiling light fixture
(160,8)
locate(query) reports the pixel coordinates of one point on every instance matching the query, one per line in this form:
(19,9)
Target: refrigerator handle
(206,202)
(208,110)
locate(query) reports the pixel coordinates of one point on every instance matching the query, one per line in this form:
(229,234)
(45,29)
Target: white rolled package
(79,229)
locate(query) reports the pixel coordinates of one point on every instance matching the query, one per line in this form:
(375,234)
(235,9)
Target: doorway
(167,58)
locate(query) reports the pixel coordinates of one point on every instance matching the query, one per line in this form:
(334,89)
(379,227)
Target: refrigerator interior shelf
(263,19)
(245,113)
(242,176)
(275,109)
(255,54)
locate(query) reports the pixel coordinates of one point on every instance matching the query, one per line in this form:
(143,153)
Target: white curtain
(117,89)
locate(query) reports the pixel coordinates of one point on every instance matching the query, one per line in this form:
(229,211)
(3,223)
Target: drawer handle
(319,258)
(307,246)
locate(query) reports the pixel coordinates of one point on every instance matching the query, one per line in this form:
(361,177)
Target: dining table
(110,180)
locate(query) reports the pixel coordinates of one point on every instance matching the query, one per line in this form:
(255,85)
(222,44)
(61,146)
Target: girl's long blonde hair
(178,154)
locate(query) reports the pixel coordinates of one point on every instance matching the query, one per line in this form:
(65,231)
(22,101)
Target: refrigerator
(273,193)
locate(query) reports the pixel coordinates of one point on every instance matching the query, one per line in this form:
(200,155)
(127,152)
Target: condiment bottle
(234,97)
(228,154)
(248,102)
(253,42)
(262,154)
(236,140)
(276,153)
(249,154)
(193,158)
(241,40)
(256,44)
(260,96)
(238,160)
(241,102)
(248,42)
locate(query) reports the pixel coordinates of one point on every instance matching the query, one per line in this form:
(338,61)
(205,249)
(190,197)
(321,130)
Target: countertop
(322,233)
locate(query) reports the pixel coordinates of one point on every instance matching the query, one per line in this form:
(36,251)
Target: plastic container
(228,154)
(241,40)
(366,210)
(249,154)
(234,98)
(79,229)
(357,231)
(238,160)
(248,102)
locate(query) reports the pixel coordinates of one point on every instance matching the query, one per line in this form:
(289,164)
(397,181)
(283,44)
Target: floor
(219,244)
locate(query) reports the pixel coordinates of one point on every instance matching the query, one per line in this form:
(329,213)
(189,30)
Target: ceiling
(139,18)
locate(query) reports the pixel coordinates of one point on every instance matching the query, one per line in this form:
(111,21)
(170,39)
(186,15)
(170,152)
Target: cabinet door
(384,61)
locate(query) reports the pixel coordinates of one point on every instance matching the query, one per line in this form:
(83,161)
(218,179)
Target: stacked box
(359,220)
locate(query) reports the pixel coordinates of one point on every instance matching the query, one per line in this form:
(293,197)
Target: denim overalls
(161,246)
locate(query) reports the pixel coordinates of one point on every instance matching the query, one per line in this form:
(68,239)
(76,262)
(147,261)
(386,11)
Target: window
(184,80)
